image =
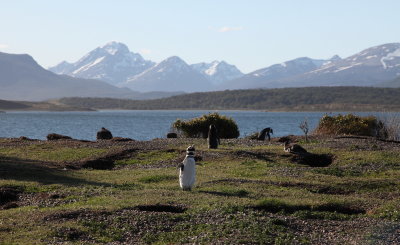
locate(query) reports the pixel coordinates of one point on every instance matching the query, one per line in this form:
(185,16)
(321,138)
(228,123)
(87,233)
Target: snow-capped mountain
(370,67)
(270,76)
(218,71)
(366,68)
(112,63)
(115,64)
(171,74)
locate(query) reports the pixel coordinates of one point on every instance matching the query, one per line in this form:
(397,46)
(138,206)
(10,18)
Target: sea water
(145,124)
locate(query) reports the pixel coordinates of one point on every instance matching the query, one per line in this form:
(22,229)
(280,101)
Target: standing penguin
(187,171)
(265,132)
(213,138)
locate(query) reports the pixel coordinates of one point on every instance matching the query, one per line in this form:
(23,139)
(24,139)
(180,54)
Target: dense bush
(198,127)
(348,124)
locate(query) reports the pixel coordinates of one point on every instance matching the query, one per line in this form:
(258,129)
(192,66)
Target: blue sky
(250,34)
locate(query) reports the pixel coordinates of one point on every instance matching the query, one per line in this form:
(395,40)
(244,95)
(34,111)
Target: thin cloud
(230,28)
(3,46)
(145,51)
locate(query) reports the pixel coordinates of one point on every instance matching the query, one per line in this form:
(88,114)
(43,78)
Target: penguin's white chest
(187,174)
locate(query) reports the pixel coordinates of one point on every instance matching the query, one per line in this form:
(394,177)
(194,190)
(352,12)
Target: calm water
(142,125)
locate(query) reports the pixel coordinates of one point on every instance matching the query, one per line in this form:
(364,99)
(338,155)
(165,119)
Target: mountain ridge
(102,63)
(171,74)
(369,67)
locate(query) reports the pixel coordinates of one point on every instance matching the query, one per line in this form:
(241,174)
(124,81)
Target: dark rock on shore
(104,134)
(57,137)
(121,139)
(172,135)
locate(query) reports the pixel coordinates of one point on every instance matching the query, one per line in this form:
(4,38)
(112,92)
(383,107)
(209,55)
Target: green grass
(49,152)
(243,194)
(149,157)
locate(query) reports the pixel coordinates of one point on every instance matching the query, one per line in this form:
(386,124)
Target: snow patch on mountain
(87,66)
(390,56)
(217,72)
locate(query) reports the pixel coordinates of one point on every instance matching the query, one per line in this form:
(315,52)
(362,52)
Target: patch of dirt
(162,208)
(133,225)
(71,234)
(338,232)
(314,188)
(43,199)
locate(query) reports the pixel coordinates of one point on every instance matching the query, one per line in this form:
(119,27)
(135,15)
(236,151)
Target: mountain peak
(217,71)
(173,59)
(112,62)
(335,57)
(113,47)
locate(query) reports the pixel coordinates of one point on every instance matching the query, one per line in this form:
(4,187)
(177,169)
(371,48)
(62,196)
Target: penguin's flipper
(181,166)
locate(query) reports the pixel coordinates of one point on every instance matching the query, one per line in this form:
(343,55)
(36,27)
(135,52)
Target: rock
(57,137)
(121,139)
(24,138)
(104,134)
(172,135)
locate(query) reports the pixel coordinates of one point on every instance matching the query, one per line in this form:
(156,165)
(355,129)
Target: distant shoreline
(273,110)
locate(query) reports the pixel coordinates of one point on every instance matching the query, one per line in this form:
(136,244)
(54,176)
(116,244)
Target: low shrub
(348,124)
(198,127)
(389,127)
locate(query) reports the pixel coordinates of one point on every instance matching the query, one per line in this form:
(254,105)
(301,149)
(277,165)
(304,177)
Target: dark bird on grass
(265,132)
(213,139)
(294,148)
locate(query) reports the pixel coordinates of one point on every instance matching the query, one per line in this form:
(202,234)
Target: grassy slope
(287,99)
(246,191)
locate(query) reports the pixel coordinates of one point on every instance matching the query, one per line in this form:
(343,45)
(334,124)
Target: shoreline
(255,110)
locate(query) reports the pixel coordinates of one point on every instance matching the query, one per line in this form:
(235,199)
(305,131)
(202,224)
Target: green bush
(198,127)
(348,124)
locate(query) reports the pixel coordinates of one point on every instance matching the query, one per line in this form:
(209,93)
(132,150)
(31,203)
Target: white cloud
(227,29)
(145,51)
(3,46)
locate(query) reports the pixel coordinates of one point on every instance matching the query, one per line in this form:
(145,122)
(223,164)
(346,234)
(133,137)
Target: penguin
(294,148)
(265,132)
(213,139)
(187,170)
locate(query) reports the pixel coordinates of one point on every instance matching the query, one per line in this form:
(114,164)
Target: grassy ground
(247,192)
